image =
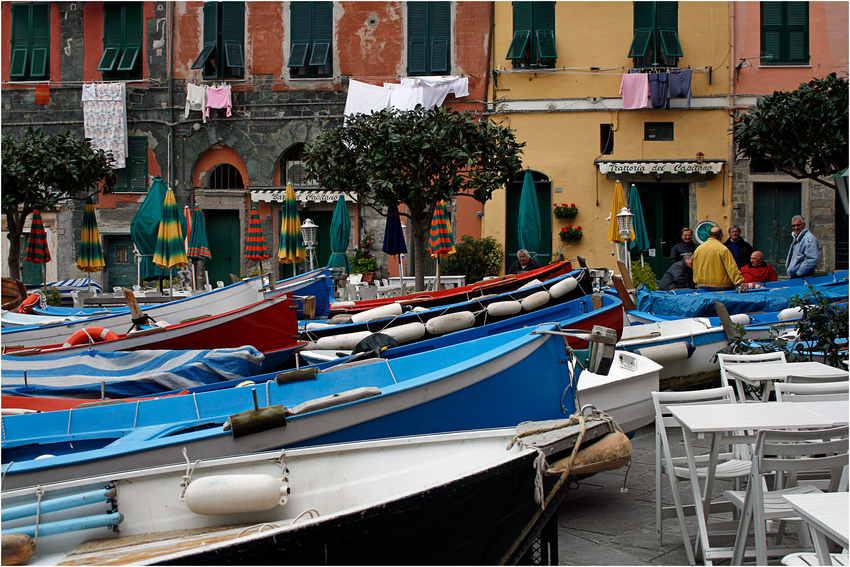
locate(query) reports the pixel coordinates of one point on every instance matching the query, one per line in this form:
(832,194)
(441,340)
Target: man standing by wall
(740,248)
(803,254)
(686,245)
(714,267)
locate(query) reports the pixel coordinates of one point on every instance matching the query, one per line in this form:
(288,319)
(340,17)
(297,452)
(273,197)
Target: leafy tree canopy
(40,170)
(802,132)
(415,158)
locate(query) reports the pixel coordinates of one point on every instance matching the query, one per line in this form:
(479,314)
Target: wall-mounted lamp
(700,157)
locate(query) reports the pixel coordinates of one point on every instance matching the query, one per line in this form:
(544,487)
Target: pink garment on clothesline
(635,91)
(219,97)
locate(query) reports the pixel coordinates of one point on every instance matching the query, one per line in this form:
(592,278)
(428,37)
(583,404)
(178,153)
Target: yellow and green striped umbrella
(90,258)
(291,249)
(170,251)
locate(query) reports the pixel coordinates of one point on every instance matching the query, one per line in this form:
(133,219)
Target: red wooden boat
(469,292)
(266,325)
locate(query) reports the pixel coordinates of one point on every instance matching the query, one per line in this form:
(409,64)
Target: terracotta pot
(368,277)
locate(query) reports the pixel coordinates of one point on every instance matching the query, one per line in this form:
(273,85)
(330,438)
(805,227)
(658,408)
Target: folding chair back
(726,360)
(825,392)
(814,379)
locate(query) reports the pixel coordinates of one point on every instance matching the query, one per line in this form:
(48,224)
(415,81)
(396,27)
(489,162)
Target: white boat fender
(535,300)
(532,283)
(235,494)
(563,287)
(343,341)
(315,325)
(741,319)
(406,333)
(342,304)
(449,323)
(790,313)
(662,354)
(419,309)
(504,308)
(382,312)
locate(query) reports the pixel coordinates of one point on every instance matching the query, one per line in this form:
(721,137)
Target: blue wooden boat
(493,381)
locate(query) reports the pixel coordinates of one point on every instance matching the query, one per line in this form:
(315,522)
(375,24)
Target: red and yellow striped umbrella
(440,242)
(37,251)
(291,249)
(170,251)
(255,247)
(90,258)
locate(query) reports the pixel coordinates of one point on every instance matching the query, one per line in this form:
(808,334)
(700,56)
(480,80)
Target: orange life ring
(90,335)
(28,303)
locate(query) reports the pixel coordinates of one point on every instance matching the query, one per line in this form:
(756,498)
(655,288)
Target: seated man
(758,271)
(524,263)
(680,275)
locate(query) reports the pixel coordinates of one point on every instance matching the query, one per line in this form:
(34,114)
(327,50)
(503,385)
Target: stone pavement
(599,524)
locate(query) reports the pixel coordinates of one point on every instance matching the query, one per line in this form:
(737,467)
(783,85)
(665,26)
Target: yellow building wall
(563,144)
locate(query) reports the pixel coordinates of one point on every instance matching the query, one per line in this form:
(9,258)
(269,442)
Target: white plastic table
(719,419)
(757,373)
(827,517)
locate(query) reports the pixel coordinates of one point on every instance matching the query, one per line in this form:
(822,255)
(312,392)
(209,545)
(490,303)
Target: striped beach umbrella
(90,257)
(144,229)
(37,252)
(440,243)
(199,246)
(255,246)
(291,249)
(170,252)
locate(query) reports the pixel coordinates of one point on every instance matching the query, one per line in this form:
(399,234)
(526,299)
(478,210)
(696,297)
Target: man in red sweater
(758,271)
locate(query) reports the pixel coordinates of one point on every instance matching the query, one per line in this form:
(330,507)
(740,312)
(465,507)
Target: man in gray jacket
(803,254)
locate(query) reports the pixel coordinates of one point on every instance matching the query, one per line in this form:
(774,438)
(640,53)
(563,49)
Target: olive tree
(39,171)
(802,132)
(415,158)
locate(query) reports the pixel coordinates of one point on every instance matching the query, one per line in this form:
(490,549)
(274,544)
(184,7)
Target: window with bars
(429,26)
(122,41)
(784,33)
(122,254)
(222,55)
(533,42)
(656,39)
(133,178)
(310,53)
(30,41)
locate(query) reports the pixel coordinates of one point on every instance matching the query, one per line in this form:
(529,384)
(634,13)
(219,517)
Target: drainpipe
(732,30)
(169,15)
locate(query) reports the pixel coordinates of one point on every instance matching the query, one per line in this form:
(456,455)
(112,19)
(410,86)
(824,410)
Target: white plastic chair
(729,466)
(783,455)
(814,379)
(825,392)
(729,359)
(368,292)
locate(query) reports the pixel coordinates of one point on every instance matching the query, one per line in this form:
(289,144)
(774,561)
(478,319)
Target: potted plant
(364,263)
(570,233)
(564,211)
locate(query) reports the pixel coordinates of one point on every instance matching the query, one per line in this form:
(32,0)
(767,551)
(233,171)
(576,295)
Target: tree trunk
(15,229)
(420,246)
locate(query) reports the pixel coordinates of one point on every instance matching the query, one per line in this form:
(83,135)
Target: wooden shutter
(20,40)
(210,35)
(667,19)
(301,33)
(323,22)
(132,36)
(797,30)
(771,32)
(137,163)
(113,36)
(40,40)
(521,29)
(441,30)
(417,38)
(544,29)
(644,26)
(233,33)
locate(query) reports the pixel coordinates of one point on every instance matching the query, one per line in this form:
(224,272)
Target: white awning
(306,196)
(651,167)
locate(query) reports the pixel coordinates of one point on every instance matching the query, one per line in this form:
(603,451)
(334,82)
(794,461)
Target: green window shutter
(518,44)
(771,32)
(40,40)
(640,43)
(301,34)
(417,38)
(113,35)
(797,26)
(210,35)
(128,58)
(521,29)
(323,21)
(670,43)
(441,29)
(20,40)
(546,44)
(110,56)
(644,15)
(667,15)
(137,163)
(233,33)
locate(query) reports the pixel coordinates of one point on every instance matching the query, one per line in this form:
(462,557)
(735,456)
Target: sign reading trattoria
(279,196)
(653,167)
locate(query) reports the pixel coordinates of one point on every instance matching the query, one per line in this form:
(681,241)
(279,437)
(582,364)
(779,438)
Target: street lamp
(625,219)
(700,157)
(308,232)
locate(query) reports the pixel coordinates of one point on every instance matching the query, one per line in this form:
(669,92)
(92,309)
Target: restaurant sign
(659,167)
(314,196)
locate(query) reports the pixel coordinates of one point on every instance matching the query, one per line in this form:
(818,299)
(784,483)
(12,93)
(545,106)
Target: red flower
(573,205)
(569,226)
(579,227)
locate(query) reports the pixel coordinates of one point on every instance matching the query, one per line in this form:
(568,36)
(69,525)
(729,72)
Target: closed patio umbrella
(440,243)
(394,244)
(340,234)
(255,245)
(37,252)
(90,257)
(616,206)
(291,249)
(199,246)
(641,241)
(529,216)
(170,252)
(144,229)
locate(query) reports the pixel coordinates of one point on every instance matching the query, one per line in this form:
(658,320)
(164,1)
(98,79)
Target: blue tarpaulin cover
(697,303)
(125,374)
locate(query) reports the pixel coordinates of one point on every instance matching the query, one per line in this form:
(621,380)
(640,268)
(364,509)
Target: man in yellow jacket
(714,267)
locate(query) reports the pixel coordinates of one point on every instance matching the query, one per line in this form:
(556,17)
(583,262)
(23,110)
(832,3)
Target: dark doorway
(773,206)
(665,211)
(121,268)
(544,202)
(842,227)
(225,243)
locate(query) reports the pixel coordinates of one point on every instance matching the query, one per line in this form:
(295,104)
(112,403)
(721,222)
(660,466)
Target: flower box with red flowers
(565,211)
(571,233)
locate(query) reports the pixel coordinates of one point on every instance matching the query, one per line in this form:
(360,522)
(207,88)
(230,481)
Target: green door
(30,273)
(223,235)
(544,202)
(323,248)
(665,211)
(773,206)
(121,265)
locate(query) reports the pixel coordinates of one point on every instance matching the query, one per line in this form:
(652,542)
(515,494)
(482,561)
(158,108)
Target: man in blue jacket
(803,254)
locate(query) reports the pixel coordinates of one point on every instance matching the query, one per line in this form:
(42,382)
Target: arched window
(292,168)
(225,176)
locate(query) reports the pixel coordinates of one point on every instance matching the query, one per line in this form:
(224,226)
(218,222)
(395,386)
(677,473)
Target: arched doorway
(223,226)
